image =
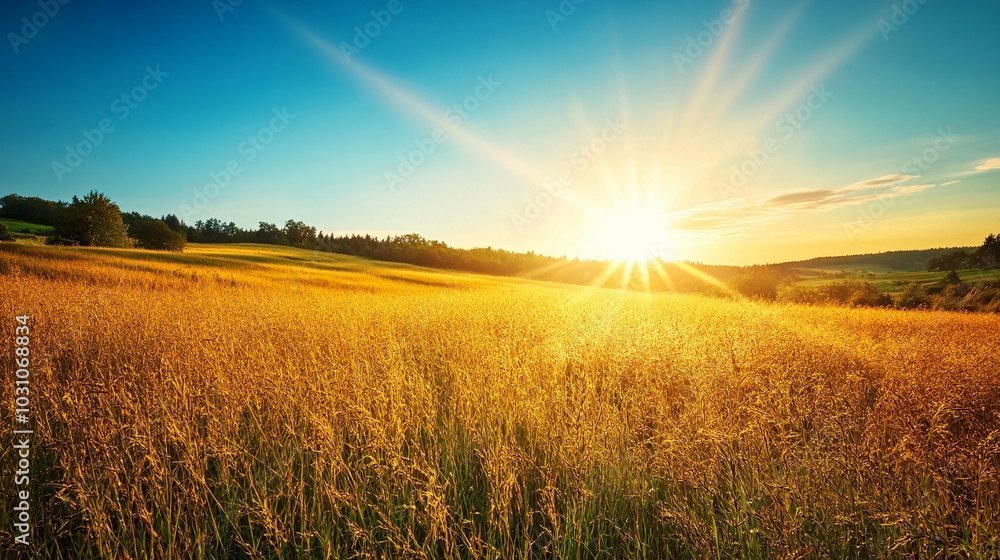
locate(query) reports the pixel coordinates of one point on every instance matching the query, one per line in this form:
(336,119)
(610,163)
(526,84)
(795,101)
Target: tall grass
(229,403)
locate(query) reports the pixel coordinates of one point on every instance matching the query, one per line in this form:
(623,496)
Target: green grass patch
(15,226)
(895,283)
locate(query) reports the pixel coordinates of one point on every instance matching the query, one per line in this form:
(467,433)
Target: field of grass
(877,263)
(24,227)
(896,282)
(266,402)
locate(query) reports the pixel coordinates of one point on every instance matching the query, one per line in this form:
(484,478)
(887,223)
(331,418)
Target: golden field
(252,402)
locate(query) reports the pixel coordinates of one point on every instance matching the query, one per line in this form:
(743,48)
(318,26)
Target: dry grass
(244,402)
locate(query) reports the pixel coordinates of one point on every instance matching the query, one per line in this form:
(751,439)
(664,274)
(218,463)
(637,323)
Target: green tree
(93,221)
(949,261)
(150,233)
(989,253)
(270,234)
(4,234)
(30,209)
(300,235)
(173,222)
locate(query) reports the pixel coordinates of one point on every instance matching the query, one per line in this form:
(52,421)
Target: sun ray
(711,158)
(753,69)
(417,107)
(710,76)
(702,275)
(657,266)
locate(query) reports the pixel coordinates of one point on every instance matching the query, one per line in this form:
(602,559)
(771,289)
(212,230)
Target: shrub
(154,234)
(913,297)
(854,294)
(866,294)
(757,283)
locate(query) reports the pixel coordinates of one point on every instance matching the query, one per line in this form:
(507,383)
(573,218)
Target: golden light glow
(646,181)
(633,234)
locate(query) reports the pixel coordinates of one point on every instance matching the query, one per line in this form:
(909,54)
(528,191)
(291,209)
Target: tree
(952,278)
(757,283)
(150,233)
(93,221)
(173,222)
(949,261)
(4,234)
(270,234)
(989,253)
(300,235)
(31,209)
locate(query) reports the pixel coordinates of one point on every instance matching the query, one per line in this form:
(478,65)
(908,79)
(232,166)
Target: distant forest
(95,220)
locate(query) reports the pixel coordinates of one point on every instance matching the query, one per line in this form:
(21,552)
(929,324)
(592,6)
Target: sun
(632,234)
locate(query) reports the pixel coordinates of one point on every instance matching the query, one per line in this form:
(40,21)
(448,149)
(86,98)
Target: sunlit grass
(242,401)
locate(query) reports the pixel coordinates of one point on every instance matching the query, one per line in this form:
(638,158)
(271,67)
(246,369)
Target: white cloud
(740,215)
(989,165)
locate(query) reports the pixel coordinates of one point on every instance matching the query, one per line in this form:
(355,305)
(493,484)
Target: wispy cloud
(857,193)
(989,165)
(739,215)
(880,182)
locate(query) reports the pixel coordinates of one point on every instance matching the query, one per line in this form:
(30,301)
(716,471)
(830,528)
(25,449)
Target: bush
(4,233)
(854,294)
(981,296)
(867,295)
(757,284)
(801,294)
(914,297)
(150,233)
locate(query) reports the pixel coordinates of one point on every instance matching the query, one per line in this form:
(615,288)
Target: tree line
(95,220)
(985,256)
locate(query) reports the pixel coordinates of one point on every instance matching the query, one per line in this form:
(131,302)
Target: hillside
(875,263)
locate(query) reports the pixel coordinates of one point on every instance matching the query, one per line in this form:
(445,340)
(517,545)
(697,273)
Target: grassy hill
(895,282)
(875,263)
(16,226)
(23,232)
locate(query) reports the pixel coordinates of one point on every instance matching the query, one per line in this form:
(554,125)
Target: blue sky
(594,93)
